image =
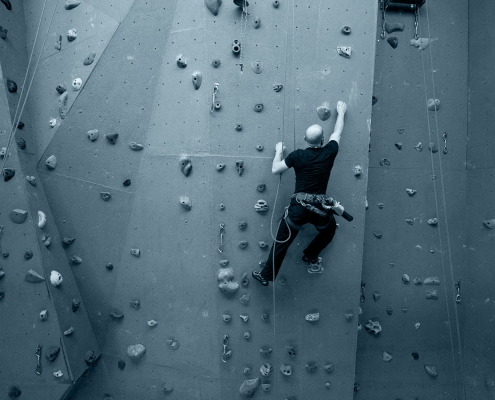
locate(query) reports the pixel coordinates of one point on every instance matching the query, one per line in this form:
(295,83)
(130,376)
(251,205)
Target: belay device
(401,5)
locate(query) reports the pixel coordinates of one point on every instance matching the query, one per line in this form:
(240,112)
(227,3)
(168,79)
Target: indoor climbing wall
(158,242)
(415,238)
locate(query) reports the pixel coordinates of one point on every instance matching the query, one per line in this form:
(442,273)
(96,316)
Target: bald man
(312,167)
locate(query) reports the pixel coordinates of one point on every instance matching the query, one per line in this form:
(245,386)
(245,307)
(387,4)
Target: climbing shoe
(259,278)
(308,260)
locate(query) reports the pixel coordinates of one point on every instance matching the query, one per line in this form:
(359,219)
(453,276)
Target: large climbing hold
(62,104)
(11,86)
(197,78)
(489,223)
(13,391)
(56,278)
(324,111)
(8,6)
(248,387)
(33,276)
(226,282)
(18,216)
(70,4)
(261,206)
(51,162)
(395,27)
(76,84)
(8,174)
(420,43)
(185,165)
(393,42)
(213,6)
(136,351)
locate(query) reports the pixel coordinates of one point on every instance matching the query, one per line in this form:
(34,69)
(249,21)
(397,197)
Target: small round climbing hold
(127,182)
(105,196)
(431,370)
(93,134)
(31,180)
(8,174)
(109,266)
(243,244)
(261,187)
(226,317)
(18,216)
(311,366)
(51,162)
(247,335)
(71,35)
(215,63)
(173,344)
(259,147)
(61,88)
(405,279)
(261,206)
(346,30)
(242,225)
(28,254)
(291,350)
(197,78)
(75,304)
(219,167)
(357,170)
(433,104)
(217,105)
(76,84)
(152,323)
(135,303)
(244,299)
(265,317)
(263,244)
(181,61)
(374,100)
(238,127)
(277,87)
(385,162)
(275,3)
(53,122)
(3,33)
(258,107)
(168,388)
(256,22)
(116,313)
(221,206)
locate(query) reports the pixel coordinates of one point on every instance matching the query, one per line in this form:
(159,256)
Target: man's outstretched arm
(279,165)
(339,124)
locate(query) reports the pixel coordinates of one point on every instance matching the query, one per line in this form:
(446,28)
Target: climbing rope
(445,219)
(16,119)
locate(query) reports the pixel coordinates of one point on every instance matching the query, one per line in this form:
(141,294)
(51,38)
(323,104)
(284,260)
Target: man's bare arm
(339,124)
(278,164)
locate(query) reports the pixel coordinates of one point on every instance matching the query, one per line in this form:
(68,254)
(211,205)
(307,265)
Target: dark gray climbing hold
(278,87)
(105,196)
(112,137)
(389,310)
(93,134)
(135,146)
(21,143)
(257,67)
(58,43)
(51,162)
(90,58)
(244,299)
(185,202)
(398,145)
(66,241)
(346,30)
(76,259)
(432,147)
(236,47)
(433,104)
(2,273)
(28,254)
(89,357)
(291,350)
(324,111)
(215,63)
(384,162)
(3,33)
(197,78)
(33,276)
(71,35)
(75,304)
(240,166)
(5,254)
(263,244)
(135,303)
(121,365)
(238,127)
(127,182)
(432,295)
(258,107)
(185,165)
(275,3)
(311,366)
(70,4)
(395,27)
(259,147)
(241,3)
(13,391)
(2,295)
(11,86)
(245,280)
(393,42)
(181,61)
(376,296)
(51,353)
(243,244)
(109,266)
(213,6)
(18,216)
(261,187)
(242,225)
(256,22)
(431,370)
(378,235)
(8,174)
(374,100)
(62,104)
(20,125)
(61,88)
(168,388)
(116,313)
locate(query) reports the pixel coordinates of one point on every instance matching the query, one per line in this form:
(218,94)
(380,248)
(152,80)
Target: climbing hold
(256,22)
(378,235)
(90,58)
(240,166)
(181,61)
(259,147)
(105,196)
(93,134)
(3,33)
(18,216)
(387,356)
(380,205)
(53,122)
(21,143)
(291,350)
(112,137)
(244,317)
(109,266)
(185,165)
(419,146)
(52,352)
(328,367)
(257,67)
(168,387)
(286,369)
(75,304)
(489,223)
(415,355)
(238,127)
(213,6)
(420,43)
(152,322)
(2,273)
(417,325)
(135,252)
(127,182)
(405,279)
(409,221)
(263,244)
(173,344)
(185,202)
(135,146)
(197,78)
(384,161)
(265,317)
(89,357)
(219,167)
(13,391)
(136,351)
(396,27)
(417,281)
(70,4)
(71,35)
(261,206)
(266,369)
(226,282)
(242,225)
(51,162)
(248,387)
(432,221)
(244,299)
(432,280)
(31,180)
(76,84)
(432,147)
(224,263)
(433,104)
(346,30)
(47,240)
(311,366)
(67,241)
(411,192)
(28,254)
(344,51)
(221,206)
(393,42)
(241,3)
(58,43)
(376,295)
(61,88)
(41,219)
(226,317)
(258,107)
(33,276)
(261,187)
(312,317)
(357,170)
(5,254)
(2,152)
(277,87)
(324,111)
(43,315)
(56,278)
(121,364)
(275,3)
(373,327)
(135,304)
(215,63)
(20,125)
(11,86)
(374,100)
(389,310)
(432,295)
(76,259)
(69,331)
(431,370)
(247,335)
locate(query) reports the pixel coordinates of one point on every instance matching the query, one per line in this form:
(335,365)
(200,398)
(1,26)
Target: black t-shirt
(313,167)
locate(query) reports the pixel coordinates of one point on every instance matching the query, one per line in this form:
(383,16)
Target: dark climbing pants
(299,216)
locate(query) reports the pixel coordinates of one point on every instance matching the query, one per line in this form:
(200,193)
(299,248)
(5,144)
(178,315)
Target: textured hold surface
(432,295)
(56,278)
(394,27)
(357,170)
(93,134)
(312,317)
(324,112)
(135,252)
(258,107)
(244,299)
(433,104)
(136,351)
(41,219)
(62,105)
(261,206)
(420,43)
(411,192)
(213,6)
(168,388)
(185,202)
(346,30)
(89,357)
(33,276)
(278,87)
(31,180)
(185,165)
(135,146)
(70,4)
(197,78)
(373,327)
(51,162)
(90,58)
(248,387)
(18,216)
(405,279)
(58,43)
(173,344)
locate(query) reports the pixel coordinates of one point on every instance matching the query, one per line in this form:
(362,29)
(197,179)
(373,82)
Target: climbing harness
(401,5)
(328,203)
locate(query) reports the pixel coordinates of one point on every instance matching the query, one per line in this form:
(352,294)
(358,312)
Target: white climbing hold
(93,134)
(58,374)
(51,162)
(76,84)
(411,192)
(357,170)
(420,43)
(312,317)
(56,278)
(344,51)
(433,104)
(41,219)
(53,122)
(71,35)
(417,325)
(43,315)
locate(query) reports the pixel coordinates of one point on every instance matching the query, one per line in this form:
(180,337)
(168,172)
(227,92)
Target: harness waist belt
(305,198)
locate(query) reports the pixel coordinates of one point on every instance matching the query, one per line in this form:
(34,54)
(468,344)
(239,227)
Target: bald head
(314,134)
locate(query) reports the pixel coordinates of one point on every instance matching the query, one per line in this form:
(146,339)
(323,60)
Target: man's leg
(322,239)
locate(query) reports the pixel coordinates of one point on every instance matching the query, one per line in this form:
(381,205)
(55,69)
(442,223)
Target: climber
(309,203)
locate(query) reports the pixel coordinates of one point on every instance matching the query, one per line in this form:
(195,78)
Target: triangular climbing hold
(33,276)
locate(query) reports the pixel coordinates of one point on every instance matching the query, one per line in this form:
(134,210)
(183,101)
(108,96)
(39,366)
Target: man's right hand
(279,147)
(341,107)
